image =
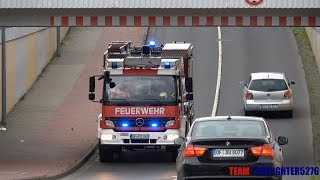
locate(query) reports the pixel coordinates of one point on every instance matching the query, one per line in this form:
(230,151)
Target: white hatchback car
(267,91)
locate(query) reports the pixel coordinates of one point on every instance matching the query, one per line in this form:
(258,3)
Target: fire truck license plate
(139,136)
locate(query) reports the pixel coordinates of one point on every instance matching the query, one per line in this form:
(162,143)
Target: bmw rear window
(268,85)
(229,129)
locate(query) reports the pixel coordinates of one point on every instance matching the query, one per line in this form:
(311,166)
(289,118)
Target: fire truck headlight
(106,137)
(172,137)
(170,123)
(109,123)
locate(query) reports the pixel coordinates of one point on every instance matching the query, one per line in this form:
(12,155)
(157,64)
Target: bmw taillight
(194,151)
(264,150)
(287,95)
(249,95)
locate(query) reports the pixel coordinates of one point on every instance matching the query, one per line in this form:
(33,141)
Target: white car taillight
(249,95)
(287,95)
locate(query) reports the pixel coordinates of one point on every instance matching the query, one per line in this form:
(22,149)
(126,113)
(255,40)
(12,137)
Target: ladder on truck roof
(146,55)
(119,46)
(117,49)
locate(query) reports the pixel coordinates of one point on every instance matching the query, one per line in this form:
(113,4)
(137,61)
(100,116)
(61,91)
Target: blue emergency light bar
(114,65)
(152,44)
(146,49)
(126,124)
(167,65)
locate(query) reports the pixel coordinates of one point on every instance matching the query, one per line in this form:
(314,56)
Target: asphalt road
(151,165)
(268,49)
(244,50)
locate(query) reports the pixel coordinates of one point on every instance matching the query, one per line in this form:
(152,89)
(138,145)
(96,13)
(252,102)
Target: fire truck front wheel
(174,152)
(107,152)
(105,156)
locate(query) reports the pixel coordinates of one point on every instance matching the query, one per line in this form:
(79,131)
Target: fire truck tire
(174,155)
(179,176)
(105,155)
(174,152)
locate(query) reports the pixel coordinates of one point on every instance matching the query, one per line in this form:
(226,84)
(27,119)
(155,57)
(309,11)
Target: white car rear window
(268,85)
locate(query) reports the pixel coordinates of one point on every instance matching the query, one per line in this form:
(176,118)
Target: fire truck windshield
(142,90)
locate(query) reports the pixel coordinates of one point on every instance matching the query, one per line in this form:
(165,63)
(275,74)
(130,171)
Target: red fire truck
(147,99)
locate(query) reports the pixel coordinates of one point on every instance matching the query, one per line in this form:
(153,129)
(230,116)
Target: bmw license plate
(268,106)
(139,136)
(228,152)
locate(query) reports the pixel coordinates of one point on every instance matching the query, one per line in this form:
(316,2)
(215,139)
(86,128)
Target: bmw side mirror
(282,140)
(292,82)
(179,141)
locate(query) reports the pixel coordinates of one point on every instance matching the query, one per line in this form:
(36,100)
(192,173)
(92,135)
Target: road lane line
(216,97)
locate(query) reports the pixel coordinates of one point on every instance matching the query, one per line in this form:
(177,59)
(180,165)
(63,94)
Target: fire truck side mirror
(112,85)
(188,84)
(92,84)
(189,97)
(92,96)
(179,141)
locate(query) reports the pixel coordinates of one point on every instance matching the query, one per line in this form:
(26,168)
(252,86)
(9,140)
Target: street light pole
(3,82)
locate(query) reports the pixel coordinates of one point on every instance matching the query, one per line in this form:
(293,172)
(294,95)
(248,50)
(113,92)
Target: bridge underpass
(160,13)
(254,48)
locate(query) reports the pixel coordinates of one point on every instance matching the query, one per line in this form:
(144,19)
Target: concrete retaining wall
(28,51)
(314,37)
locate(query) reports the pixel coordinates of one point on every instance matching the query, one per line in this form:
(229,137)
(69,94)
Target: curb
(74,167)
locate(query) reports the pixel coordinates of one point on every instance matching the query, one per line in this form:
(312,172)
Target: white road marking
(216,97)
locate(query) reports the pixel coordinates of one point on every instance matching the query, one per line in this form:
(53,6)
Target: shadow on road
(143,157)
(271,115)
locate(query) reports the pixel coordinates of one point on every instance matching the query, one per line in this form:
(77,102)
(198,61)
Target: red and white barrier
(184,21)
